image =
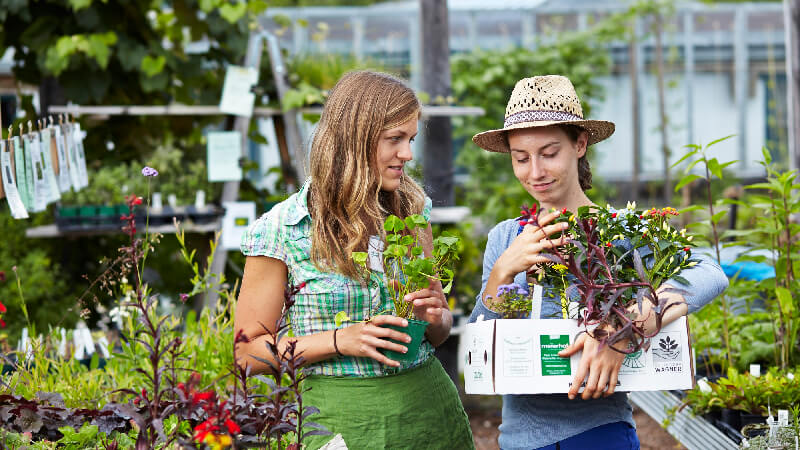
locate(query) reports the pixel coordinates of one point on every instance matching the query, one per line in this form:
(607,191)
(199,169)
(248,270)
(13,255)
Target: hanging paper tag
(69,146)
(237,98)
(9,185)
(23,186)
(375,252)
(80,155)
(536,302)
(31,143)
(54,194)
(63,162)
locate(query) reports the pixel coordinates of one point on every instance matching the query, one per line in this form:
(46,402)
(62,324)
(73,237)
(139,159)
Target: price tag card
(223,153)
(64,183)
(54,193)
(69,146)
(25,189)
(33,149)
(238,216)
(80,156)
(236,96)
(9,185)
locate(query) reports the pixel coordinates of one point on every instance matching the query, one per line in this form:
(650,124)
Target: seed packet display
(80,156)
(9,185)
(32,149)
(64,183)
(20,161)
(69,146)
(54,194)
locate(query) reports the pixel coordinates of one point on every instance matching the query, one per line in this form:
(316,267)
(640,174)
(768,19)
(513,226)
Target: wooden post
(437,162)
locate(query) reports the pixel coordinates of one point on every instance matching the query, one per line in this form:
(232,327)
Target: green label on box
(552,364)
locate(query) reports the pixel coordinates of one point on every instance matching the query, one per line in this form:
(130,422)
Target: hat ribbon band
(539,116)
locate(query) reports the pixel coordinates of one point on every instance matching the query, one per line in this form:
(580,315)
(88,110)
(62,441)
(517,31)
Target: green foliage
(46,293)
(486,78)
(406,268)
(468,269)
(743,392)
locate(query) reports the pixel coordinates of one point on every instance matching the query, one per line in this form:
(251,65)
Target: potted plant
(406,269)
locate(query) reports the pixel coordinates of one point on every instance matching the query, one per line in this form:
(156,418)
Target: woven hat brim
(495,140)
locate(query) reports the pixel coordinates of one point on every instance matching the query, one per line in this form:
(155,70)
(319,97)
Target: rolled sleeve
(706,280)
(264,237)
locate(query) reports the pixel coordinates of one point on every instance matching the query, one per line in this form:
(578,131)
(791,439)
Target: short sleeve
(426,210)
(264,237)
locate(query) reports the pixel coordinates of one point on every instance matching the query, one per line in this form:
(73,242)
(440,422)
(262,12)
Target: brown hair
(584,171)
(347,204)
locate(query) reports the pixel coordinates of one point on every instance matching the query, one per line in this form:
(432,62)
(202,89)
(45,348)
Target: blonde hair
(347,203)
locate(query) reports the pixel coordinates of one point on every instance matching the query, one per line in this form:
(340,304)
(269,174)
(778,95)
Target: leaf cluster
(406,268)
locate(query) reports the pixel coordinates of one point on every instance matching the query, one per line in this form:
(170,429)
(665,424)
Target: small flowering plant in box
(515,301)
(614,261)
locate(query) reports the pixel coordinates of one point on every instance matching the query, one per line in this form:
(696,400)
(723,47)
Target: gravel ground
(484,416)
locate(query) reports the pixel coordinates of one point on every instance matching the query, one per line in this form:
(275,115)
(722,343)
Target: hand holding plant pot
(412,278)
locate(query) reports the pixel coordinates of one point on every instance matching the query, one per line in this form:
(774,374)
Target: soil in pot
(415,329)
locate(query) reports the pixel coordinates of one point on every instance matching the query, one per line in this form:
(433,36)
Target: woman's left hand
(600,369)
(429,304)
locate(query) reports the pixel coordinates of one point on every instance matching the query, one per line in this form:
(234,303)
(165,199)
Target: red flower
(686,249)
(608,244)
(564,211)
(202,397)
(2,307)
(2,323)
(613,215)
(232,427)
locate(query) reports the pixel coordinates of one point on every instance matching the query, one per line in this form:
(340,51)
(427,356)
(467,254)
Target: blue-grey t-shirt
(537,420)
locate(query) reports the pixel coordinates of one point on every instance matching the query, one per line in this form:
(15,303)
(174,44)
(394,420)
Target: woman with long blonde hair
(357,179)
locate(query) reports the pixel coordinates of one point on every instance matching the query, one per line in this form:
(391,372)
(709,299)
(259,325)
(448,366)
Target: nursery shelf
(51,231)
(692,432)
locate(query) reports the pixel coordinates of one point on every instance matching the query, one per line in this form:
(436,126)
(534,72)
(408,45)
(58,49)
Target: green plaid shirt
(284,233)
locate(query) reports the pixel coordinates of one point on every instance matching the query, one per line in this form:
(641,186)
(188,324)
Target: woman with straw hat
(547,138)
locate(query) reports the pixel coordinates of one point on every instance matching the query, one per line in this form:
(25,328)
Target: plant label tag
(54,194)
(63,161)
(755,370)
(783,417)
(536,302)
(9,185)
(375,252)
(80,155)
(36,172)
(23,185)
(69,146)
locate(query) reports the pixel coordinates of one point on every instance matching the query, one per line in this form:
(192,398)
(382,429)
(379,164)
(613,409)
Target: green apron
(416,408)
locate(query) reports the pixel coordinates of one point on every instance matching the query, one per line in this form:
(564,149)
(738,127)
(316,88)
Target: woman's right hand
(525,252)
(364,339)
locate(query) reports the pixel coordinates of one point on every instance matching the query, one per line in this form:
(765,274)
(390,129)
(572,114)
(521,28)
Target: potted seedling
(406,269)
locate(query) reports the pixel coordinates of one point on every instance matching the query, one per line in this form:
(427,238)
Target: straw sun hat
(539,102)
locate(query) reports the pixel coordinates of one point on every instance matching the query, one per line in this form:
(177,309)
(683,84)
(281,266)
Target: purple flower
(149,172)
(184,297)
(512,289)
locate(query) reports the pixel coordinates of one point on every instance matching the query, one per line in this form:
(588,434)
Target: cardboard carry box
(520,356)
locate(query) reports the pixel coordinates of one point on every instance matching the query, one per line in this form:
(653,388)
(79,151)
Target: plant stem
(723,297)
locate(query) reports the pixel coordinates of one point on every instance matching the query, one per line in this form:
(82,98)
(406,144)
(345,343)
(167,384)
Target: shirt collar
(298,205)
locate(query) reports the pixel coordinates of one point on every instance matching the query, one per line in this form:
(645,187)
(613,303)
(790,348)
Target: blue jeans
(612,436)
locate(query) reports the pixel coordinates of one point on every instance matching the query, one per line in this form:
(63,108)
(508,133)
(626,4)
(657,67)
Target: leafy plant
(607,276)
(711,168)
(406,269)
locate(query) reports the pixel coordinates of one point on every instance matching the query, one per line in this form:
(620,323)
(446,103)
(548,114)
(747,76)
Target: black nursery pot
(731,417)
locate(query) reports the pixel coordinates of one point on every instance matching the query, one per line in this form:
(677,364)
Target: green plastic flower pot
(415,329)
